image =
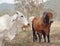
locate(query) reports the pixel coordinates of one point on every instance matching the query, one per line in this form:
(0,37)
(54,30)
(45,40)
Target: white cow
(8,25)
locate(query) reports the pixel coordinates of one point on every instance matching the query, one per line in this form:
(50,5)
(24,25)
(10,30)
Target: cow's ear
(16,12)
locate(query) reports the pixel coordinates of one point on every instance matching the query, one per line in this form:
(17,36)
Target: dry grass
(25,38)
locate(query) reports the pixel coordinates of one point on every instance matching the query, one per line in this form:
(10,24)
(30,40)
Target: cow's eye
(21,16)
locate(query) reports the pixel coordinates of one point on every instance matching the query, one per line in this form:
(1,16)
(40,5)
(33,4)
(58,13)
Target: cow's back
(4,21)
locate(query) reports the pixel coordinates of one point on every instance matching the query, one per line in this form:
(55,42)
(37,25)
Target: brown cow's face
(48,17)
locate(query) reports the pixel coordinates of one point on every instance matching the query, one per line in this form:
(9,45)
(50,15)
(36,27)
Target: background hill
(7,8)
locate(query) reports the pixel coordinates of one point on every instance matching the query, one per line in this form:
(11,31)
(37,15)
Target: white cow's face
(22,18)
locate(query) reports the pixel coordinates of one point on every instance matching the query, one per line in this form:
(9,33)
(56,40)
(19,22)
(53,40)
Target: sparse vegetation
(24,38)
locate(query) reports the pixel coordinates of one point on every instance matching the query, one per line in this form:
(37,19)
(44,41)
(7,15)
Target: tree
(29,7)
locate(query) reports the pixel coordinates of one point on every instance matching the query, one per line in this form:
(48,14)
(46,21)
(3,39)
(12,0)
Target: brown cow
(41,26)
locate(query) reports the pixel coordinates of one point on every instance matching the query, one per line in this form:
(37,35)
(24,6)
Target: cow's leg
(34,33)
(34,36)
(1,41)
(39,36)
(44,36)
(48,38)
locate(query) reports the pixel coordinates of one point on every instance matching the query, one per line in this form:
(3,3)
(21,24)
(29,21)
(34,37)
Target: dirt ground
(24,38)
